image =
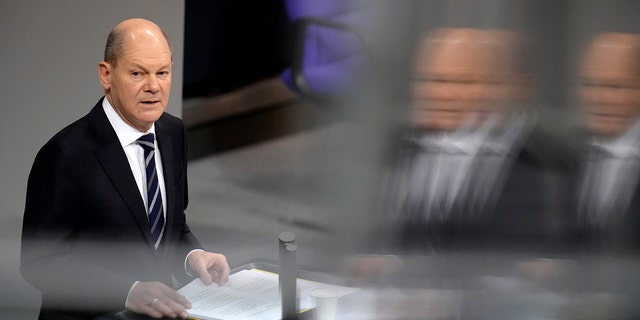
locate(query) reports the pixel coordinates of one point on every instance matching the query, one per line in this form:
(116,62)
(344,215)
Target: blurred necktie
(154,198)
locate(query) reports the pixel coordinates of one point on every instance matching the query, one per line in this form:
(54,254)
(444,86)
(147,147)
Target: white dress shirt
(135,154)
(127,135)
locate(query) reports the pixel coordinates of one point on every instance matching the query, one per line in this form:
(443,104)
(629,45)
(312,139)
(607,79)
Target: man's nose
(152,84)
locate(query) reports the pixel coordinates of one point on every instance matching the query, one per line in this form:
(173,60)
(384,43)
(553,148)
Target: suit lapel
(113,161)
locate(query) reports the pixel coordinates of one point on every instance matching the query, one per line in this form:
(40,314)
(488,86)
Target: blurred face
(610,84)
(455,82)
(138,85)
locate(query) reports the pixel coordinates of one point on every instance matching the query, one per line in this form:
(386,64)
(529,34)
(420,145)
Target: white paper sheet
(249,295)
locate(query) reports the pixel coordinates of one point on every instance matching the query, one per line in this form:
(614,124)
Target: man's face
(138,84)
(455,82)
(610,85)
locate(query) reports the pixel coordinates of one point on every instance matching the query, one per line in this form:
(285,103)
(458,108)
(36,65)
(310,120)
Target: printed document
(249,295)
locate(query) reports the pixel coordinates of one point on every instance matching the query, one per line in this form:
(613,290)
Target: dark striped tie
(154,199)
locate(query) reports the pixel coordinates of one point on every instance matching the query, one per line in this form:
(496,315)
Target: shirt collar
(498,134)
(623,146)
(464,140)
(125,132)
(507,131)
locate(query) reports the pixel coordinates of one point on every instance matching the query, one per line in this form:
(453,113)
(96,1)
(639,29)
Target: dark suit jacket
(526,214)
(85,236)
(620,235)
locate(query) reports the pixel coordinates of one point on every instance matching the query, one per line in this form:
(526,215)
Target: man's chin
(150,116)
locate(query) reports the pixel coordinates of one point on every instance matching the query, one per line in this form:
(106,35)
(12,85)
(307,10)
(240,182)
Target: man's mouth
(607,115)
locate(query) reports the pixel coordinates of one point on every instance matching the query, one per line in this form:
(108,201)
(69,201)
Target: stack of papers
(249,295)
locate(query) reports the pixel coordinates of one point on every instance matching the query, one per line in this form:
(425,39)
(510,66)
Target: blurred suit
(607,196)
(468,174)
(607,191)
(501,202)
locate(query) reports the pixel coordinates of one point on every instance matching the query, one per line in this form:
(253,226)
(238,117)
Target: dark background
(231,44)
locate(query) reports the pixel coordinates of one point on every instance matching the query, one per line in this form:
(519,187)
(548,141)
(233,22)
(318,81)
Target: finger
(177,308)
(173,309)
(220,277)
(215,276)
(164,308)
(150,311)
(169,308)
(153,313)
(179,299)
(226,270)
(204,274)
(222,271)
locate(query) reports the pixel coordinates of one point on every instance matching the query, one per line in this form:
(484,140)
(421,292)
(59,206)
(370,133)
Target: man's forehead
(611,62)
(146,64)
(142,51)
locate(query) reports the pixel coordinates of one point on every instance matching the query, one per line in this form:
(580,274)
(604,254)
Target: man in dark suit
(104,223)
(468,175)
(607,196)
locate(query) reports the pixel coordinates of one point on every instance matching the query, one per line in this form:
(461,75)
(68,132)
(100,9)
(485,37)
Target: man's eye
(136,73)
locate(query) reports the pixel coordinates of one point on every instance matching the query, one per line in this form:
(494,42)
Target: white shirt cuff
(186,268)
(126,302)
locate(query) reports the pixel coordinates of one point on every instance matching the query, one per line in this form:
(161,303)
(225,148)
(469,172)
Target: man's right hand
(157,300)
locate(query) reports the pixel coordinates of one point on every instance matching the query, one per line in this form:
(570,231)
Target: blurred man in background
(608,196)
(466,176)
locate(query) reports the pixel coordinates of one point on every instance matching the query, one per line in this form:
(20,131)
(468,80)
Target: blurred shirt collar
(624,146)
(497,135)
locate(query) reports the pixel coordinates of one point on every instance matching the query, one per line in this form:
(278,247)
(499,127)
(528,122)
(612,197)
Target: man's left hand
(209,267)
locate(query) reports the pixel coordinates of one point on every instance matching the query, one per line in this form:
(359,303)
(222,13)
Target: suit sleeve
(188,240)
(49,257)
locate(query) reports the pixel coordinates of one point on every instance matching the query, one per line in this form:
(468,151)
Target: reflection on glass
(459,176)
(609,95)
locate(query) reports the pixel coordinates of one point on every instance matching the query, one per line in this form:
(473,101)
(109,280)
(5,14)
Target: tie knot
(146,141)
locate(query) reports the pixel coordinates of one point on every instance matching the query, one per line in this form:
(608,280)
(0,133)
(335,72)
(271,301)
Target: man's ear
(104,74)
